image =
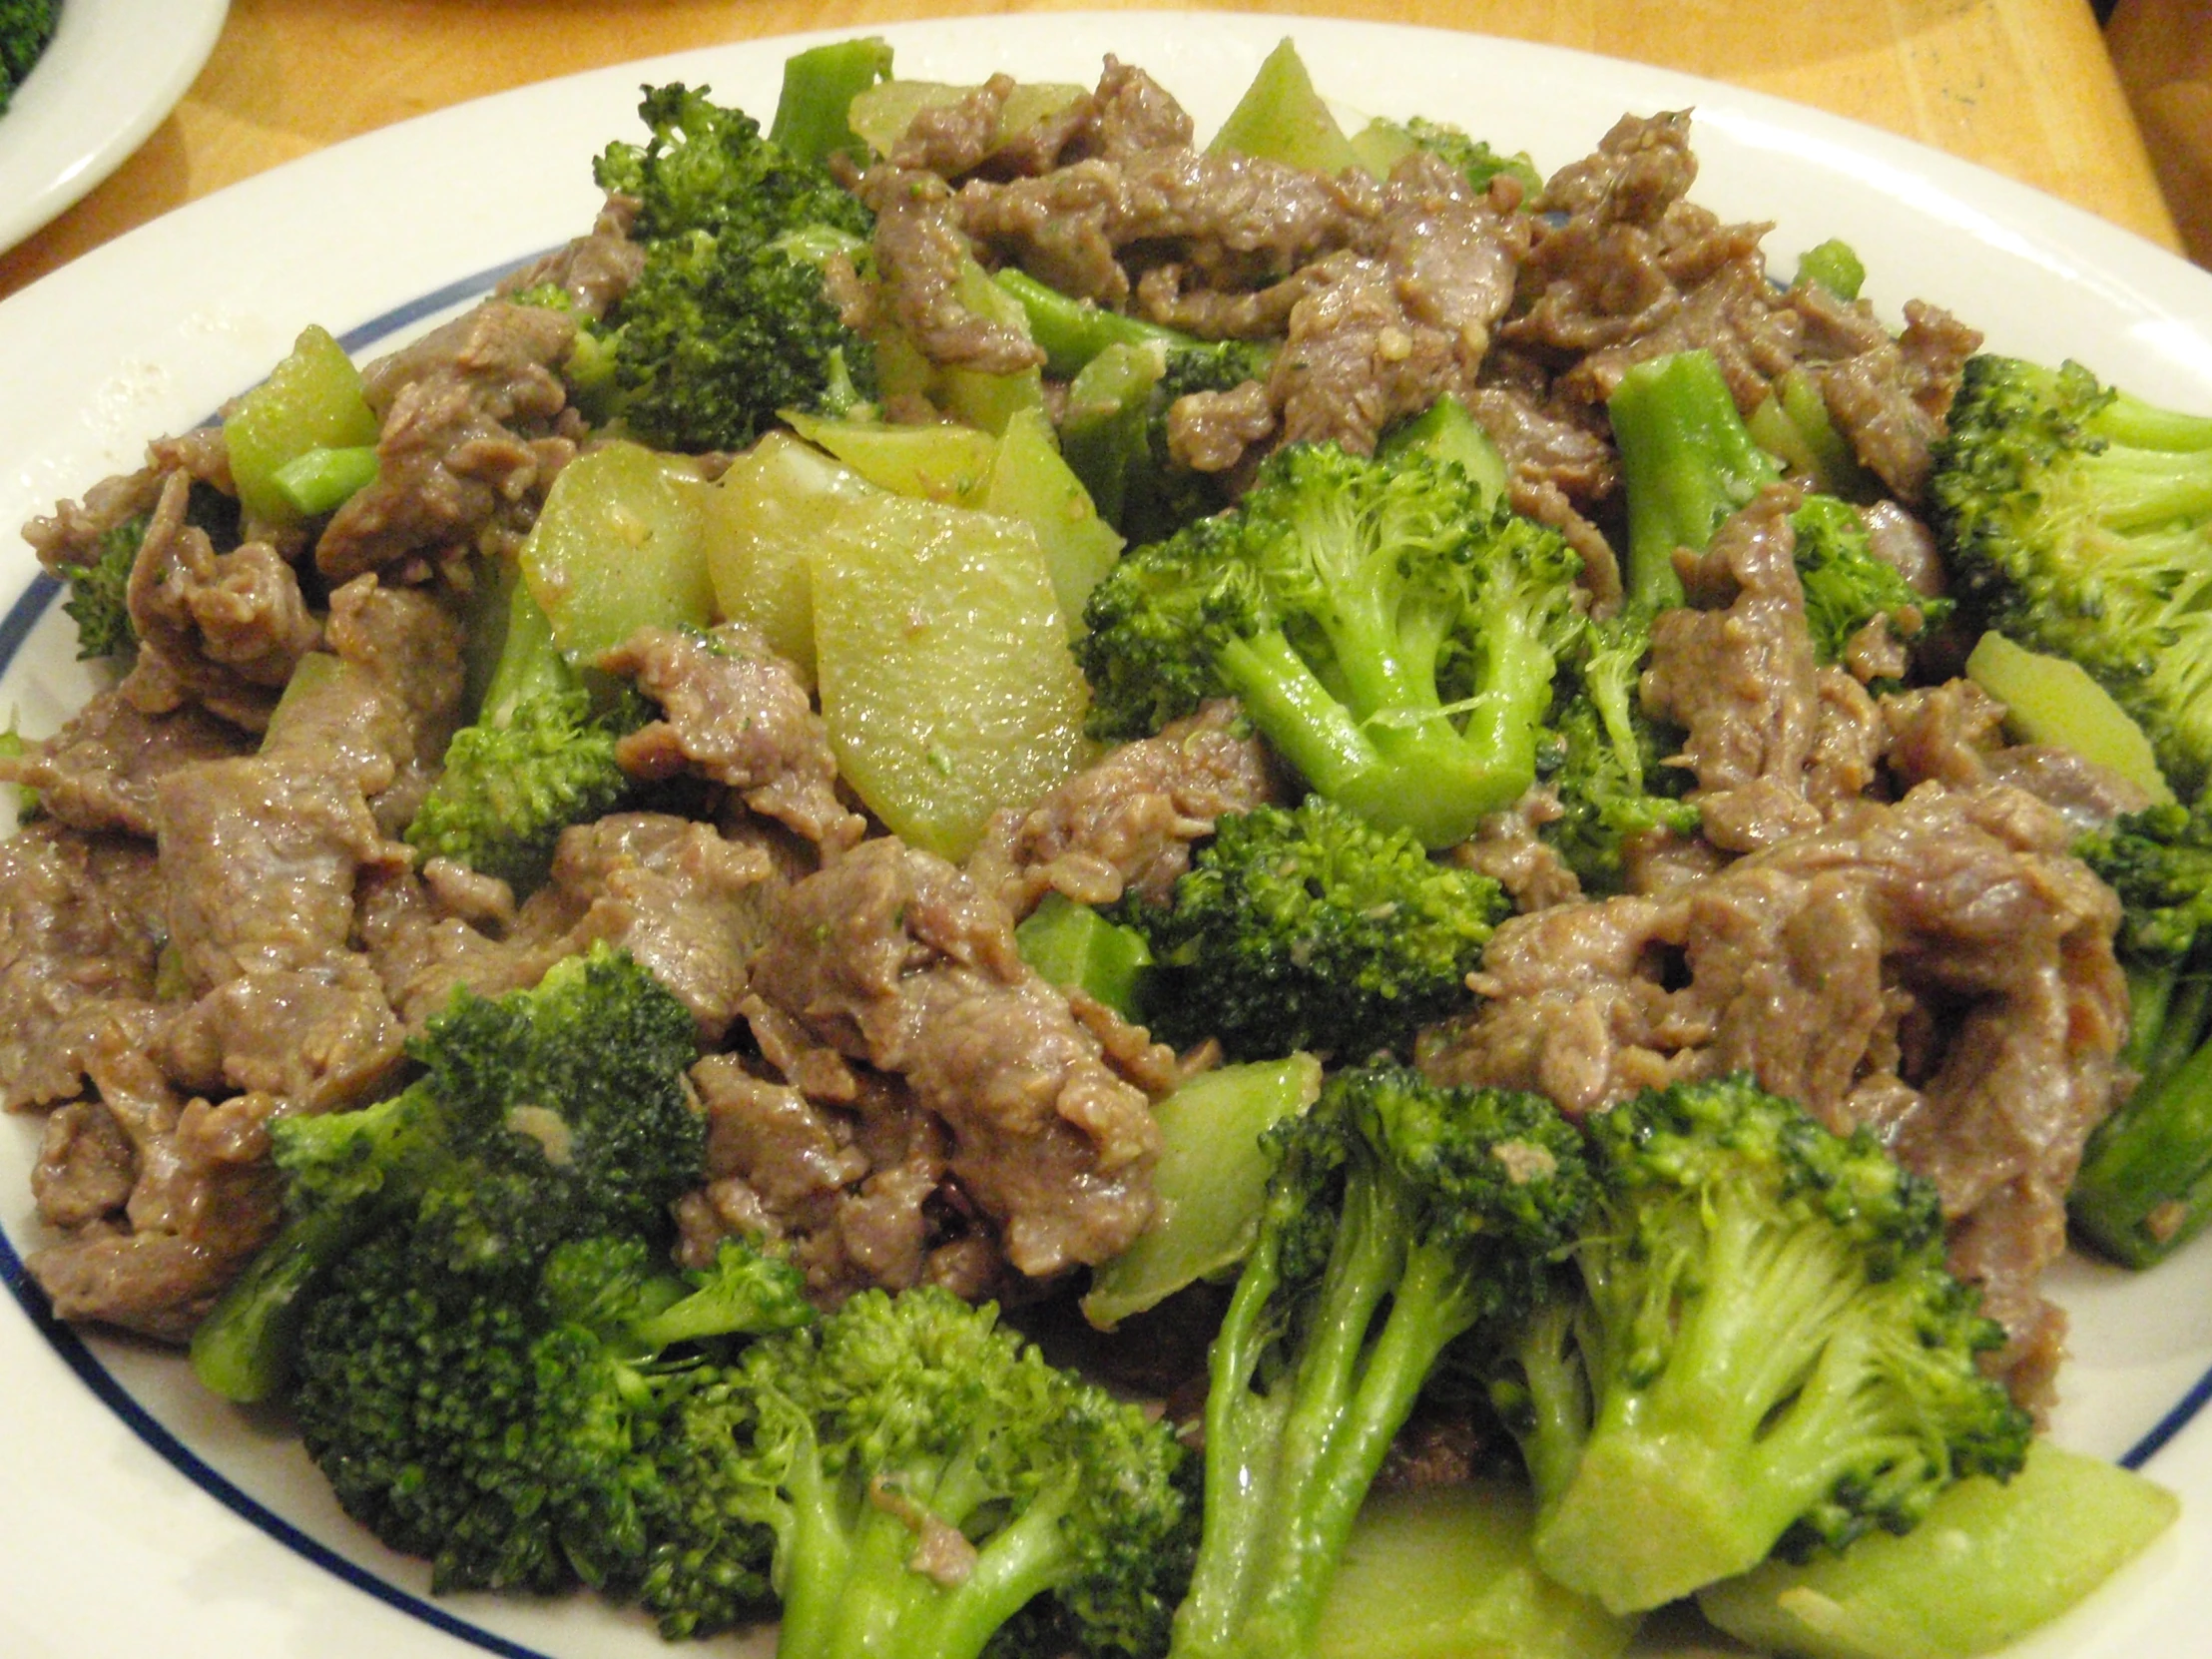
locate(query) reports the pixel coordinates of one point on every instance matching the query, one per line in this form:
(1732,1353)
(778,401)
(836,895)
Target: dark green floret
(1604,761)
(2145,1184)
(1399,1217)
(928,1476)
(542,1116)
(1390,634)
(1767,1352)
(512,1433)
(2077,520)
(98,589)
(1312,930)
(730,320)
(539,755)
(26,26)
(1847,586)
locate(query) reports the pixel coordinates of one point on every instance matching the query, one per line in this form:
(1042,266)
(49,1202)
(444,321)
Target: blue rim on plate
(15,627)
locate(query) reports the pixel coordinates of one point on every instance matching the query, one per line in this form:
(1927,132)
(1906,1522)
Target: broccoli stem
(1687,460)
(242,1349)
(1834,265)
(1072,331)
(320,480)
(818,88)
(2145,1185)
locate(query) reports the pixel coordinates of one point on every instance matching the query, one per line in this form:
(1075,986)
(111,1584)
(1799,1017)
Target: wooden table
(2022,86)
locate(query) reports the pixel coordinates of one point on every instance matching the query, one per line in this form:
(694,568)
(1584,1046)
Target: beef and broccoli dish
(997,884)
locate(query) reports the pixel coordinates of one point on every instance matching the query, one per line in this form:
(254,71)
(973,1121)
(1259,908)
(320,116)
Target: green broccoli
(26,26)
(1114,430)
(2145,1182)
(1391,635)
(509,1432)
(928,1476)
(730,322)
(1312,930)
(98,589)
(542,1116)
(1604,763)
(539,756)
(1687,462)
(2077,520)
(1400,1216)
(1767,1352)
(1847,585)
(1473,157)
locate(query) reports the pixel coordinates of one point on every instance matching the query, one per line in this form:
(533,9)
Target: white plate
(112,71)
(141,1515)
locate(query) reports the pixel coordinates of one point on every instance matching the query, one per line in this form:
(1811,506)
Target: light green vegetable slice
(935,462)
(1030,481)
(311,400)
(762,519)
(1990,1563)
(2050,700)
(1281,118)
(883,112)
(942,661)
(1209,1183)
(620,545)
(1447,1572)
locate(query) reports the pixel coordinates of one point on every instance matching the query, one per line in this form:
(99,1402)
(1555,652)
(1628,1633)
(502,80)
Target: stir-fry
(994,884)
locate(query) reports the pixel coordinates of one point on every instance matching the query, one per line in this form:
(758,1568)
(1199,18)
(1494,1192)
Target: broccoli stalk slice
(322,479)
(1071,331)
(242,1349)
(811,113)
(2145,1184)
(1687,462)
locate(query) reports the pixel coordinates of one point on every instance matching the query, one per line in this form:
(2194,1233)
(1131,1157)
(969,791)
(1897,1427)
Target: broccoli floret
(1312,930)
(1473,157)
(98,587)
(539,756)
(510,1434)
(2142,1191)
(730,321)
(1767,1352)
(26,26)
(1847,586)
(928,1476)
(543,1116)
(1604,764)
(1399,1217)
(1687,462)
(2077,520)
(1393,637)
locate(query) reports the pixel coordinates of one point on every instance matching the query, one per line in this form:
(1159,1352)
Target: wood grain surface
(2021,86)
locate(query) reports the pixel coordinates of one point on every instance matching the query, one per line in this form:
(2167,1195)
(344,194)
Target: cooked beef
(1625,268)
(1132,113)
(1127,822)
(471,437)
(1888,396)
(687,903)
(1209,432)
(921,250)
(1939,970)
(595,271)
(224,630)
(1954,734)
(1506,847)
(737,714)
(894,957)
(99,770)
(80,925)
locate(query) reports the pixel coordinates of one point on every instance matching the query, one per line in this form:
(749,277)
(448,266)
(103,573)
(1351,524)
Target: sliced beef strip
(895,958)
(224,630)
(80,925)
(685,901)
(736,713)
(471,437)
(595,271)
(1128,821)
(921,250)
(1888,396)
(1131,113)
(1506,847)
(1954,734)
(1820,965)
(99,770)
